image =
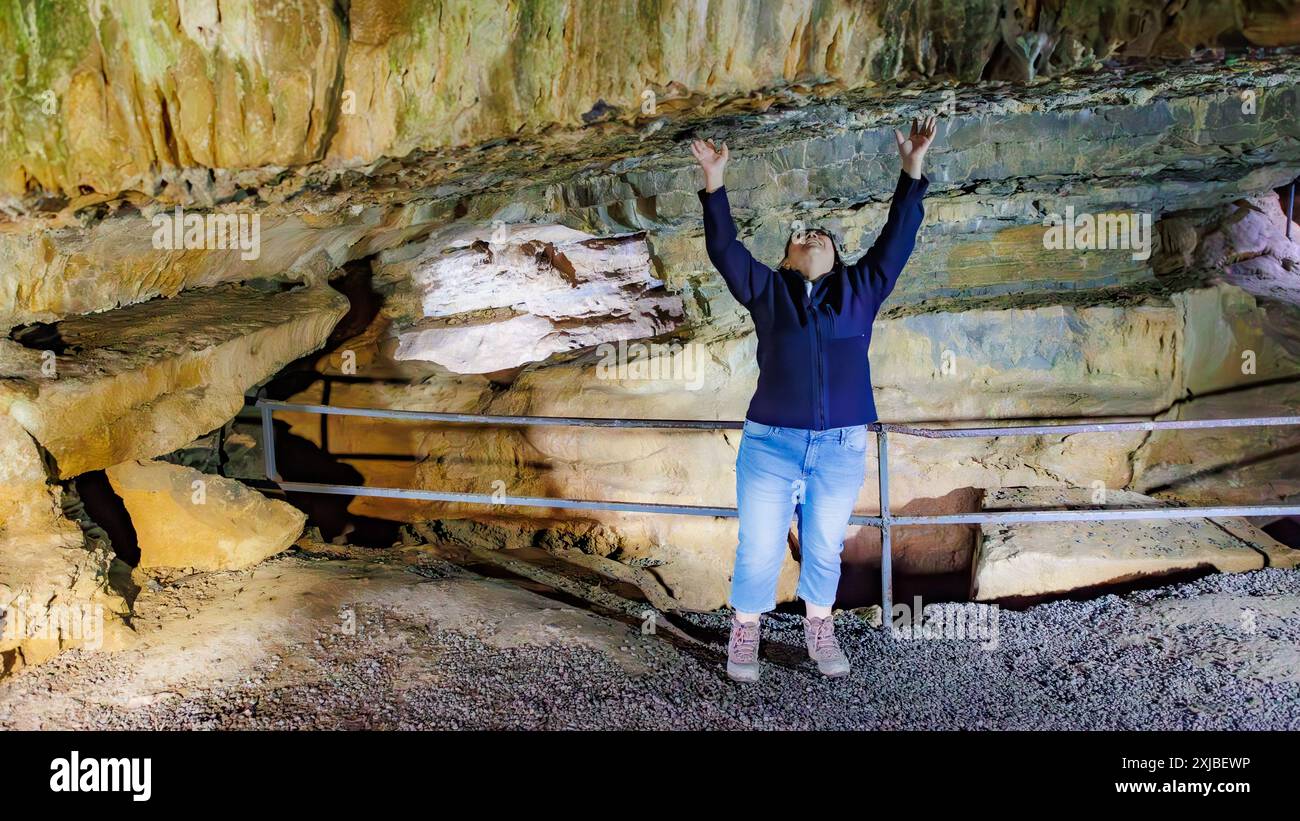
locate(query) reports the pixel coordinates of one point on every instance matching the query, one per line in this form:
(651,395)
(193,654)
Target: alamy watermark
(23,619)
(1098,232)
(77,774)
(179,231)
(655,361)
(946,621)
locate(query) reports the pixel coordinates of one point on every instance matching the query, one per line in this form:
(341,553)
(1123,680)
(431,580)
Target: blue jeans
(781,472)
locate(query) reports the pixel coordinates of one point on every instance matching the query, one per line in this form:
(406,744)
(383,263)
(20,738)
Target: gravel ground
(1218,653)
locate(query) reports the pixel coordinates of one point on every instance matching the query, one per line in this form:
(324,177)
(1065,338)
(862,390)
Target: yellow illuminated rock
(184,518)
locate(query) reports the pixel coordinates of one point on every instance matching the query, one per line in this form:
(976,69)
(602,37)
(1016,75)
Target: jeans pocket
(855,439)
(757,430)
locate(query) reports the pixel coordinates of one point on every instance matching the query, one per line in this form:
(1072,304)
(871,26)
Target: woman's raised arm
(745,276)
(876,272)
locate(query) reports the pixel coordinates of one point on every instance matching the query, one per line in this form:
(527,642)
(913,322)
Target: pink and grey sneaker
(823,648)
(742,650)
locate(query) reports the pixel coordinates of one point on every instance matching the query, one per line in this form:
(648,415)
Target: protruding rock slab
(142,381)
(487,306)
(1025,560)
(184,518)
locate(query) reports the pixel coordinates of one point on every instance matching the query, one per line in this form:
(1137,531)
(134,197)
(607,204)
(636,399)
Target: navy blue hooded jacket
(812,347)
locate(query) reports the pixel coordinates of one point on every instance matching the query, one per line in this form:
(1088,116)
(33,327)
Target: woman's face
(812,253)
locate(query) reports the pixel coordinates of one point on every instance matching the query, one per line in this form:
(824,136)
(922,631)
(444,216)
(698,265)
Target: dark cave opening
(301,460)
(106,509)
(40,336)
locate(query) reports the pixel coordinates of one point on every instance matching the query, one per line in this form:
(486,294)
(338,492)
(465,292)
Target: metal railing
(885,521)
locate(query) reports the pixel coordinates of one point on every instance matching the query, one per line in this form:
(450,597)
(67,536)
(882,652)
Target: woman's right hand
(712,160)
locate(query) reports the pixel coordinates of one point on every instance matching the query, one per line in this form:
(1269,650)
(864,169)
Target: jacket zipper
(821,388)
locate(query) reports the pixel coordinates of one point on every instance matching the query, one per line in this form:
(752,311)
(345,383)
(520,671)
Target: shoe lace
(744,642)
(823,635)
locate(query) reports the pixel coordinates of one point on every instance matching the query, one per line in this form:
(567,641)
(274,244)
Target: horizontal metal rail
(1090,427)
(522,501)
(885,521)
(510,421)
(1092,514)
(708,424)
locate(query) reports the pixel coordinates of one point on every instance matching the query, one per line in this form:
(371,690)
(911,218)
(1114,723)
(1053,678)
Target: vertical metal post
(268,445)
(886,552)
(1290,208)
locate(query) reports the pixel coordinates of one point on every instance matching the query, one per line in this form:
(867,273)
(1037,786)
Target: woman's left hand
(912,149)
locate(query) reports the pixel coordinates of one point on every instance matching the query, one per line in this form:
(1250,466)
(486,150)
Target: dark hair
(835,243)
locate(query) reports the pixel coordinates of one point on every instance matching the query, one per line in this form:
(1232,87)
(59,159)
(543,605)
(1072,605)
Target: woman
(803,449)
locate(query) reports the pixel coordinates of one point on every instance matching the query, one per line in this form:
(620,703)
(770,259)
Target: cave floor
(318,641)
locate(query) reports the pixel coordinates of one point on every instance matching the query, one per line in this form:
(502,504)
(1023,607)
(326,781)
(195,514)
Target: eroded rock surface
(191,99)
(1141,140)
(1247,241)
(54,589)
